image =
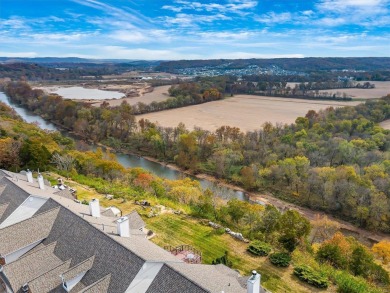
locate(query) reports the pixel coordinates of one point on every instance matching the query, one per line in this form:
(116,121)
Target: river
(128,160)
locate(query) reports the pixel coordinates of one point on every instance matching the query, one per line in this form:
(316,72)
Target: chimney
(94,208)
(40,181)
(253,283)
(29,176)
(123,227)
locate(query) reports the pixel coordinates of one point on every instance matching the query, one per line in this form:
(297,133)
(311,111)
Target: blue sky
(170,30)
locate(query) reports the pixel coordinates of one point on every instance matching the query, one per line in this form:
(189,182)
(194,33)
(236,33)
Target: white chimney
(253,283)
(94,208)
(123,227)
(29,176)
(40,181)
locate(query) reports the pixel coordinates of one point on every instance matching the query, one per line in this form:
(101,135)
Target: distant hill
(292,64)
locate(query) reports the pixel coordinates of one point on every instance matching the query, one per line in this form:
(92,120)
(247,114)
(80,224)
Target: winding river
(132,160)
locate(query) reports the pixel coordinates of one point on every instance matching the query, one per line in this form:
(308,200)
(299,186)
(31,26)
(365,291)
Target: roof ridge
(95,283)
(38,250)
(190,280)
(100,231)
(61,264)
(80,263)
(33,217)
(10,180)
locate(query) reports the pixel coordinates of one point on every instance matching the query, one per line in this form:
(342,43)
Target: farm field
(382,88)
(243,111)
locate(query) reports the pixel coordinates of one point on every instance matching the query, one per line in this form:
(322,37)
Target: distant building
(52,243)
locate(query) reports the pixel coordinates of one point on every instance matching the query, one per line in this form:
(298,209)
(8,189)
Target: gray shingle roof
(79,240)
(135,220)
(99,286)
(78,269)
(65,193)
(168,280)
(3,207)
(30,266)
(2,187)
(26,232)
(49,280)
(213,278)
(80,243)
(13,195)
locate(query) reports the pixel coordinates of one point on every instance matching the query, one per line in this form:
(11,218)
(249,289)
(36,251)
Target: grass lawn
(172,229)
(175,230)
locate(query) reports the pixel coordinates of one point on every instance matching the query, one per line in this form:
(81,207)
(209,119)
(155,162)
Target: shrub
(378,274)
(259,248)
(312,277)
(280,259)
(332,254)
(223,260)
(349,284)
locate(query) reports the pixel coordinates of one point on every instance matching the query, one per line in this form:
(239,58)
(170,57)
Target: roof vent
(29,176)
(26,288)
(123,226)
(94,208)
(40,181)
(253,283)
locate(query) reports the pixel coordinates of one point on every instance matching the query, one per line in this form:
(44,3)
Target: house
(51,243)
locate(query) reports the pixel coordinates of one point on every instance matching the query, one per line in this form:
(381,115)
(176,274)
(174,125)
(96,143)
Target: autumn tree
(382,250)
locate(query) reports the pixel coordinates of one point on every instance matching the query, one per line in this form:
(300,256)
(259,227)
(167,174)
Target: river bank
(210,180)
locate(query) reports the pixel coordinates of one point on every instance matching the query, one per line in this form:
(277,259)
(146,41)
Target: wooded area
(336,160)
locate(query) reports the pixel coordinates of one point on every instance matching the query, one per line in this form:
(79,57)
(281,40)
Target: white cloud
(272,17)
(129,36)
(119,52)
(19,54)
(247,55)
(191,20)
(342,5)
(57,36)
(129,15)
(236,6)
(172,8)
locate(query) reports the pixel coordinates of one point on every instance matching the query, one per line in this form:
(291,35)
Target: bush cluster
(259,248)
(311,276)
(280,259)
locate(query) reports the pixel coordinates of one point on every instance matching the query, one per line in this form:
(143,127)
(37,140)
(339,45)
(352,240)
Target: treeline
(59,71)
(309,90)
(183,94)
(293,64)
(336,160)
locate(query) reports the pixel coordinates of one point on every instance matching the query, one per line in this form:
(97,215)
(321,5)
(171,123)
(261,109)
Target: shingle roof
(99,286)
(2,187)
(26,232)
(3,207)
(80,243)
(13,195)
(210,277)
(79,240)
(168,280)
(79,268)
(135,220)
(50,279)
(65,193)
(31,266)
